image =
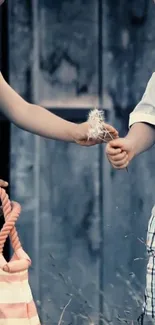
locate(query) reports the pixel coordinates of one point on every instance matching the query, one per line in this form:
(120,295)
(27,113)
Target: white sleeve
(145,110)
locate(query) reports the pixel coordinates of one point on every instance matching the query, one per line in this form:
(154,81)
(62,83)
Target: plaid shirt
(149,304)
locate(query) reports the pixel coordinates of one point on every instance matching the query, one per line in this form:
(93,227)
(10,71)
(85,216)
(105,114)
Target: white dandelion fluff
(97,124)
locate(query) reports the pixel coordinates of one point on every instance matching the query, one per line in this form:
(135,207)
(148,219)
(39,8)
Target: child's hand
(120,152)
(81,136)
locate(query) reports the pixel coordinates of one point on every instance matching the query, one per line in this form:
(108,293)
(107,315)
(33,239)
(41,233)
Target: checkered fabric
(149,304)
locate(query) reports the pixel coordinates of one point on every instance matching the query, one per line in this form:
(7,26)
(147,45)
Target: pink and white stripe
(16,302)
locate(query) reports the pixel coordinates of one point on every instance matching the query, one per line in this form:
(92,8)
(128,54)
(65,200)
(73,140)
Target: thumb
(117,143)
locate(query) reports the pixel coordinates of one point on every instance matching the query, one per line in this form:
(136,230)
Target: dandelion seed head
(95,120)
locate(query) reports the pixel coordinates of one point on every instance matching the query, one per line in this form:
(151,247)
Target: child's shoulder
(151,81)
(152,76)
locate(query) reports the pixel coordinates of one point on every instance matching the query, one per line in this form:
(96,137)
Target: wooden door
(81,220)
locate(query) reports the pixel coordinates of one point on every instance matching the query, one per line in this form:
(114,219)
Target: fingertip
(112,143)
(115,143)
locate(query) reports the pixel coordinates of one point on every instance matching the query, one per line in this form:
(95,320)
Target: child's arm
(122,150)
(31,117)
(40,121)
(141,135)
(142,121)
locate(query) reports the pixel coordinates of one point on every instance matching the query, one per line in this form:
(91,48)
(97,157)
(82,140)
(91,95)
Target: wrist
(131,146)
(74,132)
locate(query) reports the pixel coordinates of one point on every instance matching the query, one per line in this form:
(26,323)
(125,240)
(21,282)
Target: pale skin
(121,151)
(39,121)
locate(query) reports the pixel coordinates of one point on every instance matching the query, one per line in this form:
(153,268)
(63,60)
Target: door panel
(83,223)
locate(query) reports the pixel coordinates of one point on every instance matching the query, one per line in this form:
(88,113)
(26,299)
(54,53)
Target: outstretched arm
(40,121)
(33,118)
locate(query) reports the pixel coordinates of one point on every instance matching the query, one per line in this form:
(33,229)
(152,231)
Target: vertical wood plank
(68,202)
(35,98)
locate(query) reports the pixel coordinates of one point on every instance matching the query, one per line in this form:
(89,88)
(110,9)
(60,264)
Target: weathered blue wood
(69,174)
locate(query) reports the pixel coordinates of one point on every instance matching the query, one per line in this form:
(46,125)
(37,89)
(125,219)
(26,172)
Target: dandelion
(97,128)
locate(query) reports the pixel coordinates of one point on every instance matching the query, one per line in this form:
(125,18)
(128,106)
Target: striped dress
(16,302)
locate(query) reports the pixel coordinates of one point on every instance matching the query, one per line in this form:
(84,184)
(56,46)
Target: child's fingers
(109,128)
(117,143)
(114,133)
(3,183)
(121,163)
(112,151)
(120,156)
(109,137)
(125,165)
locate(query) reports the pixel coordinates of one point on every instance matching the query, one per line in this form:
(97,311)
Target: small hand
(109,133)
(2,184)
(120,152)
